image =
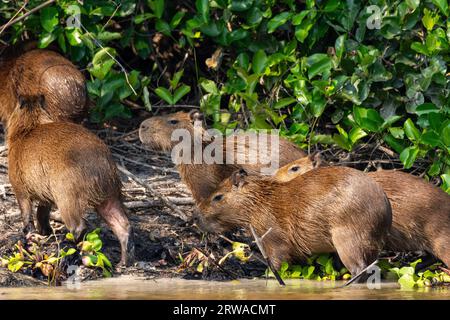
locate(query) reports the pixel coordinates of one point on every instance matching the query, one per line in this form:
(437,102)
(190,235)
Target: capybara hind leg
(26,210)
(441,248)
(43,219)
(355,250)
(114,215)
(72,216)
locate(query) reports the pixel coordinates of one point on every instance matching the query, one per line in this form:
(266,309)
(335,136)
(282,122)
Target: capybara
(202,178)
(63,164)
(30,73)
(420,211)
(333,209)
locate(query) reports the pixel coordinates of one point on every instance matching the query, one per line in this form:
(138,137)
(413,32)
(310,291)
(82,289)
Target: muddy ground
(166,246)
(162,239)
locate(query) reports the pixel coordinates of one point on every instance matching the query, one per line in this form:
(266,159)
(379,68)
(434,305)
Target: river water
(128,287)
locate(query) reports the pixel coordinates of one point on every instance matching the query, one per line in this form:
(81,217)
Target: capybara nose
(196,217)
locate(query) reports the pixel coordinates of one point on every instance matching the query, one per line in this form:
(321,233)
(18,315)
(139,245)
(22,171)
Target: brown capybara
(333,209)
(30,73)
(420,211)
(63,164)
(202,178)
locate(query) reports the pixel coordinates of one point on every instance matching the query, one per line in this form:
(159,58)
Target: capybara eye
(218,197)
(295,169)
(173,121)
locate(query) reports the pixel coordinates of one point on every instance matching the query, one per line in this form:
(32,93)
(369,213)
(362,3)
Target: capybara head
(221,211)
(298,167)
(30,73)
(156,132)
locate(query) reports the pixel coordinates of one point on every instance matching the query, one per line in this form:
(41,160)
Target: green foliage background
(324,72)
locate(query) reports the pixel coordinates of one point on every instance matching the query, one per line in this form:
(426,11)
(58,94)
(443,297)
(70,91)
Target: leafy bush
(324,71)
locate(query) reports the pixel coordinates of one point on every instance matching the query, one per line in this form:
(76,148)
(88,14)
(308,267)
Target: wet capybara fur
(28,73)
(63,164)
(420,211)
(203,178)
(332,209)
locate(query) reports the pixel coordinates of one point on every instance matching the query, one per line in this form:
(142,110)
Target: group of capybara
(308,207)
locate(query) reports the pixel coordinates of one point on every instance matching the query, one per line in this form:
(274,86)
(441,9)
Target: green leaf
(426,108)
(430,138)
(277,21)
(49,18)
(429,19)
(442,5)
(164,94)
(445,134)
(355,134)
(340,46)
(209,86)
(411,131)
(283,103)
(74,37)
(408,156)
(45,39)
(397,132)
(396,144)
(318,103)
(176,19)
(368,119)
(259,62)
(241,5)
(158,7)
(70,237)
(322,66)
(413,4)
(203,8)
(180,93)
(407,281)
(163,27)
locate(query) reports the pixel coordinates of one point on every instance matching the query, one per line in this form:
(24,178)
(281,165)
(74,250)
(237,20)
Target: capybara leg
(114,215)
(72,216)
(26,210)
(43,219)
(356,250)
(441,248)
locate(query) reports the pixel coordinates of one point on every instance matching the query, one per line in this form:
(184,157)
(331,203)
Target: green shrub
(300,67)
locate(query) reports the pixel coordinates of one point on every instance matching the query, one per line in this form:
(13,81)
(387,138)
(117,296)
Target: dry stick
(14,21)
(177,212)
(258,241)
(360,273)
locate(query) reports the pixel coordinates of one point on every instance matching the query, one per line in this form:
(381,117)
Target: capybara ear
(196,115)
(41,101)
(31,102)
(315,158)
(238,178)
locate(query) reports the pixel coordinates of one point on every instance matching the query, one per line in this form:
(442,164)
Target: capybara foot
(45,230)
(29,228)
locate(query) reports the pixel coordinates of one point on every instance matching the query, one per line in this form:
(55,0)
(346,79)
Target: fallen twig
(176,211)
(360,273)
(258,241)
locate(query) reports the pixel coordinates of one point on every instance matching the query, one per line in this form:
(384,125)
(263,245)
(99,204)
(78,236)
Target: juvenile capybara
(63,164)
(202,178)
(420,211)
(333,209)
(30,73)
